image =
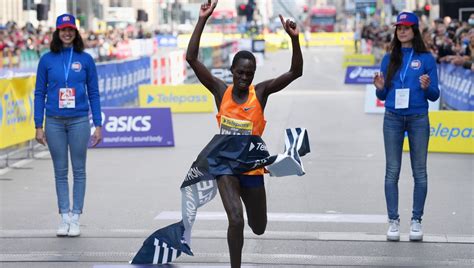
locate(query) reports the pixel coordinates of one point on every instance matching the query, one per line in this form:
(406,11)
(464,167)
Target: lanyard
(66,69)
(402,77)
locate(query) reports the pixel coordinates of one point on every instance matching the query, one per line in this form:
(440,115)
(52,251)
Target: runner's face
(67,35)
(243,73)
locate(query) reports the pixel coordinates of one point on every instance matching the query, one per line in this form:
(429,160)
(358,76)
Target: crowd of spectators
(28,40)
(449,40)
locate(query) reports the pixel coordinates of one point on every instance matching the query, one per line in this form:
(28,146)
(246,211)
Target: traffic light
(426,10)
(250,9)
(241,9)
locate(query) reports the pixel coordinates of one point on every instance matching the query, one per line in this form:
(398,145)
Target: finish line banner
(136,127)
(190,98)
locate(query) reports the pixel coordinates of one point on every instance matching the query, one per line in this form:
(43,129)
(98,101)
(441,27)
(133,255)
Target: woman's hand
(379,81)
(290,27)
(207,9)
(425,81)
(97,136)
(40,137)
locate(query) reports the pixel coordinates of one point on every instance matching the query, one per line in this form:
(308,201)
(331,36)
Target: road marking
(89,233)
(284,217)
(251,259)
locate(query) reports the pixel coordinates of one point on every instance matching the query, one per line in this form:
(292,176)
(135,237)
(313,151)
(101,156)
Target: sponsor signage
(360,74)
(457,87)
(189,98)
(450,132)
(136,127)
(358,60)
(167,41)
(16,110)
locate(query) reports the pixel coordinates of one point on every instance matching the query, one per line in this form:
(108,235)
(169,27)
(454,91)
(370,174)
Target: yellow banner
(450,132)
(358,60)
(207,40)
(16,110)
(190,98)
(328,39)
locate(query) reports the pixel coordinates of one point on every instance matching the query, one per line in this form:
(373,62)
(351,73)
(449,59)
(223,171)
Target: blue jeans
(418,130)
(62,135)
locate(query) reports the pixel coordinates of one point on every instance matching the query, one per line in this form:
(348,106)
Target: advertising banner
(16,110)
(118,81)
(136,127)
(330,39)
(450,132)
(360,74)
(167,40)
(358,60)
(187,98)
(457,87)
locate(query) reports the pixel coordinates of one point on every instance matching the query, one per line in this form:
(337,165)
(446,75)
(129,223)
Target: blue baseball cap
(407,19)
(66,20)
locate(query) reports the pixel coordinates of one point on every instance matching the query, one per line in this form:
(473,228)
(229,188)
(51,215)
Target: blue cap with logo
(66,20)
(407,19)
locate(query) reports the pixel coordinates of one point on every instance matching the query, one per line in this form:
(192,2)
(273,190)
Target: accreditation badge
(231,126)
(402,98)
(67,98)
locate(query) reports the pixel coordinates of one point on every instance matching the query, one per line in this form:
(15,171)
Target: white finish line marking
(283,217)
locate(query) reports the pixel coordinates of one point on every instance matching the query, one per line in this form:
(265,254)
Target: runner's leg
(229,189)
(256,206)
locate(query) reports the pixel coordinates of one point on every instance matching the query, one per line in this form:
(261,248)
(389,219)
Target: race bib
(402,98)
(230,126)
(67,98)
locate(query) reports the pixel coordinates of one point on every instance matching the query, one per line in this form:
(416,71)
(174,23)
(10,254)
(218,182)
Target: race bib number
(67,98)
(230,126)
(402,98)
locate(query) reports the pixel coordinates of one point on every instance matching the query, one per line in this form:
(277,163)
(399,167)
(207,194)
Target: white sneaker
(416,232)
(63,228)
(393,233)
(74,229)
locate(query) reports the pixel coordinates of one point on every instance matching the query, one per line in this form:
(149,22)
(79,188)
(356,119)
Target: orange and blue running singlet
(241,119)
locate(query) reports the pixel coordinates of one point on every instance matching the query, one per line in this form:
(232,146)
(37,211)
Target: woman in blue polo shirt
(66,86)
(408,79)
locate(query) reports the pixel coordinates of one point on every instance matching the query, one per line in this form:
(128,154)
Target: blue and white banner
(224,154)
(167,40)
(457,87)
(119,81)
(360,74)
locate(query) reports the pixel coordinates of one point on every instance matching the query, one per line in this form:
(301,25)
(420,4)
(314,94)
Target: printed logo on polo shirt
(415,64)
(76,66)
